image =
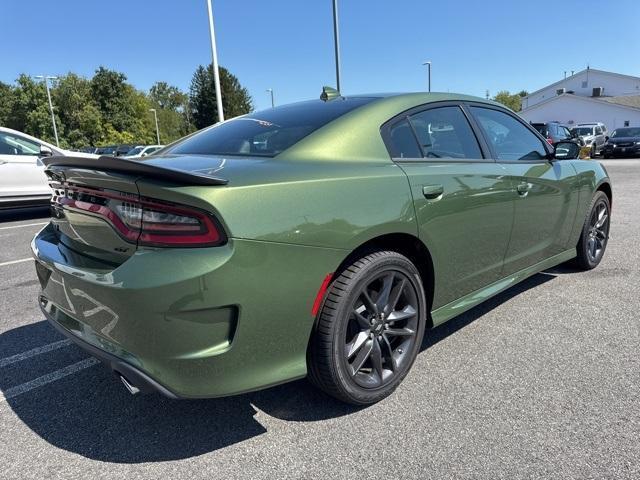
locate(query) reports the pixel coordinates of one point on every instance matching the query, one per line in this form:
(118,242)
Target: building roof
(632,101)
(559,82)
(625,101)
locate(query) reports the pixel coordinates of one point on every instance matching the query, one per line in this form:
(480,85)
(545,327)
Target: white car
(22,179)
(142,151)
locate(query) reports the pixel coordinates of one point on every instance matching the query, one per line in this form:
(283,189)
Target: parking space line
(33,352)
(3,264)
(46,379)
(26,225)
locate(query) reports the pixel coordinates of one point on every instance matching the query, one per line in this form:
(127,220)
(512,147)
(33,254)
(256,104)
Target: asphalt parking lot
(541,382)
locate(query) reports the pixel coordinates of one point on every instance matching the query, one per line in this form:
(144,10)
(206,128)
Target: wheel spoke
(399,332)
(383,299)
(591,247)
(602,217)
(391,359)
(362,321)
(370,304)
(407,313)
(356,344)
(376,358)
(362,356)
(395,296)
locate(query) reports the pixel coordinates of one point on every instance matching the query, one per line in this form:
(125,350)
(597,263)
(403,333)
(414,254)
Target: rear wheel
(595,233)
(369,330)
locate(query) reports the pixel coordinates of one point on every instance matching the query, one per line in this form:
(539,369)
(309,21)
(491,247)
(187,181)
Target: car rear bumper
(190,323)
(622,151)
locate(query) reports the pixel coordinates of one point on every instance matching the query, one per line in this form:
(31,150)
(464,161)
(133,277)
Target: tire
(363,345)
(595,233)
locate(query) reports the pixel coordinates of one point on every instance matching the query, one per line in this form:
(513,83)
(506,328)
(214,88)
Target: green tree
(6,103)
(79,115)
(513,101)
(203,109)
(30,110)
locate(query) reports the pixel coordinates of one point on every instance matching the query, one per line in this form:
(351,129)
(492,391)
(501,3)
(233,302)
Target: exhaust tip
(132,390)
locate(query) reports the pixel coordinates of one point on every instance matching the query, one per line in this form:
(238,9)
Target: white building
(588,96)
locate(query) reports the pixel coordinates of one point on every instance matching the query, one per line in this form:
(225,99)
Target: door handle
(523,189)
(432,192)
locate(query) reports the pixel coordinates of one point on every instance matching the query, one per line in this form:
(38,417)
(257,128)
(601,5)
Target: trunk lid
(97,209)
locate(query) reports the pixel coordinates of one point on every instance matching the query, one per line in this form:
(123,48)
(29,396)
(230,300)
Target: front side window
(598,131)
(445,133)
(269,132)
(15,145)
(510,139)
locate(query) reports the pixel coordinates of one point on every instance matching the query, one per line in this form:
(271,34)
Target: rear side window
(510,139)
(445,133)
(269,132)
(403,141)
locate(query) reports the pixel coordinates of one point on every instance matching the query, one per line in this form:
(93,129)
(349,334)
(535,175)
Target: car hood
(624,139)
(69,153)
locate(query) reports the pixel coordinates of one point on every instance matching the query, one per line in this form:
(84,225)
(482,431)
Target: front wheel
(595,233)
(369,330)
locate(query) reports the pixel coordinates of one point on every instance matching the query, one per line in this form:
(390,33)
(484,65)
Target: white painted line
(33,352)
(46,379)
(25,225)
(3,264)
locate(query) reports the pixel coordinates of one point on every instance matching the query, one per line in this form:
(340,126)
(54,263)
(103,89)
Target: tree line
(105,109)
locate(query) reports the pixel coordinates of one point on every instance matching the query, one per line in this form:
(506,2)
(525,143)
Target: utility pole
(428,64)
(270,90)
(45,79)
(214,55)
(155,115)
(336,42)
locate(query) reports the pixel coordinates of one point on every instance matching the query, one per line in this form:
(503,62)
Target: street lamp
(214,55)
(45,79)
(270,90)
(428,64)
(155,115)
(336,42)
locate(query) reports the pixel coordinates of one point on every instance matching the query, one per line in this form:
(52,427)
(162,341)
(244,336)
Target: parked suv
(593,135)
(554,132)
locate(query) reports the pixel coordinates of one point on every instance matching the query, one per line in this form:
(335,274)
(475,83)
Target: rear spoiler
(134,167)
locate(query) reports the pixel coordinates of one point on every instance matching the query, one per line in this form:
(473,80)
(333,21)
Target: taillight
(146,221)
(550,140)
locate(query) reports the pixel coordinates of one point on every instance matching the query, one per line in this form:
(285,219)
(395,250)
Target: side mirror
(144,154)
(45,151)
(566,150)
(606,138)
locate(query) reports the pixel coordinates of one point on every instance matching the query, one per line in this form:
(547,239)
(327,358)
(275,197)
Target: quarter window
(445,133)
(403,141)
(510,139)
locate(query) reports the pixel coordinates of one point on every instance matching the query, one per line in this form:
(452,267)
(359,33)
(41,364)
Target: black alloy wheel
(369,330)
(595,233)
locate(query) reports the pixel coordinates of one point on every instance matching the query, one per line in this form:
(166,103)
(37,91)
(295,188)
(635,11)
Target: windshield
(269,132)
(582,130)
(626,132)
(135,151)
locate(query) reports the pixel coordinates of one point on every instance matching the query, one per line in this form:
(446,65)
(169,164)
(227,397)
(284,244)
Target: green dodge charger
(319,239)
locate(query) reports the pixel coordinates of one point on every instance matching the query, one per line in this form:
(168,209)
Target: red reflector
(321,292)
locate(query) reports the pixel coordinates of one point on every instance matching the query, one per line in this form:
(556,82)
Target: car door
(599,138)
(463,201)
(546,190)
(21,173)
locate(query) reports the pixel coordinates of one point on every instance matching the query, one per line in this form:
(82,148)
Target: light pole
(336,42)
(45,79)
(270,90)
(155,115)
(428,64)
(214,55)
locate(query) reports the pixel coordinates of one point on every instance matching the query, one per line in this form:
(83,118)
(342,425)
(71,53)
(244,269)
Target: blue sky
(287,45)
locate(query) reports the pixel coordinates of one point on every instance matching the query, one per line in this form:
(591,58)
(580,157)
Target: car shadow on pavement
(19,214)
(91,414)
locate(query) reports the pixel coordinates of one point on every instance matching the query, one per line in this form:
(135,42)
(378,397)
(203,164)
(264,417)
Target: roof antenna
(329,93)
